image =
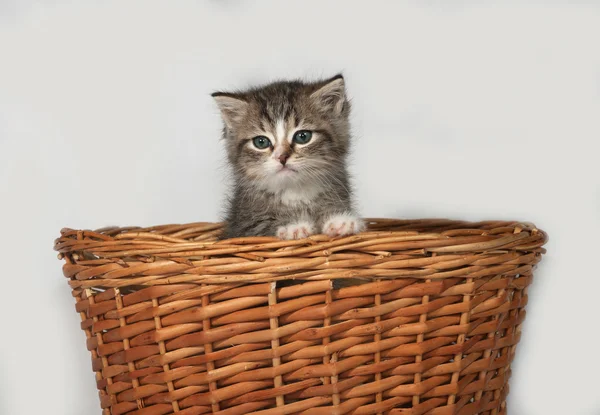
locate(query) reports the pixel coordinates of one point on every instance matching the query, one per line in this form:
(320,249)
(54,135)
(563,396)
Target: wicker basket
(177,322)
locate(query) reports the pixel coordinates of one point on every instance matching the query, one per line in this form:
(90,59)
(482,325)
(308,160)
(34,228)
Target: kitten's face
(286,135)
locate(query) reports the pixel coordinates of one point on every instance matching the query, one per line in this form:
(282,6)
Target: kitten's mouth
(286,169)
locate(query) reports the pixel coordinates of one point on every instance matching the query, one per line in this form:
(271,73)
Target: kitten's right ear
(233,107)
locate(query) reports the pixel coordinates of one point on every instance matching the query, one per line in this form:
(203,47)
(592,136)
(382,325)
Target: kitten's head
(286,134)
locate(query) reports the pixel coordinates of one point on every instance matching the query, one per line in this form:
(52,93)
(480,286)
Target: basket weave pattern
(177,322)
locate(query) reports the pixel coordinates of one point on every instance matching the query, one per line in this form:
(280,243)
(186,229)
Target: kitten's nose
(283,158)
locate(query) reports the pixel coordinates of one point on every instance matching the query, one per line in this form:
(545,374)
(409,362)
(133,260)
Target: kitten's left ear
(331,95)
(233,108)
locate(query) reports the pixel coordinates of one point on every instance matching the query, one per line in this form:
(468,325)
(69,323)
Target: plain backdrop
(468,110)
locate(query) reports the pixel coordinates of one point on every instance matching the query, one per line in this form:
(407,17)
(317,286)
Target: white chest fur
(303,195)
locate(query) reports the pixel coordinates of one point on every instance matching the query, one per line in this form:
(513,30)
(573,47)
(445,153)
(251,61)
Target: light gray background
(486,111)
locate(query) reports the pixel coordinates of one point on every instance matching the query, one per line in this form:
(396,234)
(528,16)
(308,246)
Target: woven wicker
(177,322)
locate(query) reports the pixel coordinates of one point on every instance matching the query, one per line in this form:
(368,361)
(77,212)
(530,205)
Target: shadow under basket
(424,317)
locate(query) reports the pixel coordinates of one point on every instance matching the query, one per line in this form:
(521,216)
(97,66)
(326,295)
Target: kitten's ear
(233,108)
(331,95)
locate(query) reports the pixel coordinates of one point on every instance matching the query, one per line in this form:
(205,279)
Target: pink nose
(283,158)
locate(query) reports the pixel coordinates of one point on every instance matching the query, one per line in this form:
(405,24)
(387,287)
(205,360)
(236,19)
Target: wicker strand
(420,337)
(274,325)
(330,358)
(100,377)
(208,349)
(377,359)
(166,367)
(130,365)
(464,320)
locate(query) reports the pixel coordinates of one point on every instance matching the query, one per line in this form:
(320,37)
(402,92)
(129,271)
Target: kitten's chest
(299,197)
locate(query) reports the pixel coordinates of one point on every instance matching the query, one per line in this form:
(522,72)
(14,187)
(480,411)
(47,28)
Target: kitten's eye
(302,137)
(261,142)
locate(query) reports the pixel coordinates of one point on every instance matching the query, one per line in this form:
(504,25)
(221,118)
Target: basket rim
(389,249)
(171,239)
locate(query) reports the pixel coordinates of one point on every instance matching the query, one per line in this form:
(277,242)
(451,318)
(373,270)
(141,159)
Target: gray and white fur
(287,144)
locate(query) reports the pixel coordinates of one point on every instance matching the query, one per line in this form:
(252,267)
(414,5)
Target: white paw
(298,230)
(345,224)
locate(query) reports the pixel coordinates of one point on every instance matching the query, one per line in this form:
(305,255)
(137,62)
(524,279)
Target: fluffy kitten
(287,144)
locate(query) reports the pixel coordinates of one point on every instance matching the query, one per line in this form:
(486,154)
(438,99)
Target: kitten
(287,144)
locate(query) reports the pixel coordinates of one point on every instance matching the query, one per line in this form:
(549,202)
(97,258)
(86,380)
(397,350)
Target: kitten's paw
(298,230)
(345,224)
